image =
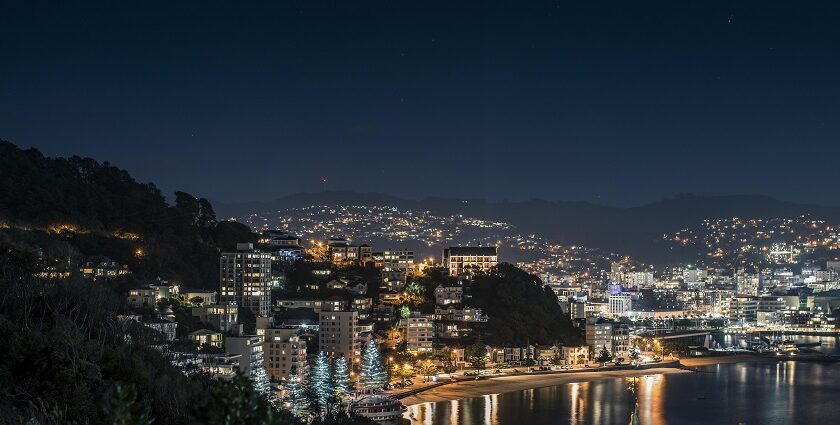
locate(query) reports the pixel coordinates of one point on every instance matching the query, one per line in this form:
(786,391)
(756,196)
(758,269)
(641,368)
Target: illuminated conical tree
(296,398)
(320,381)
(341,378)
(373,372)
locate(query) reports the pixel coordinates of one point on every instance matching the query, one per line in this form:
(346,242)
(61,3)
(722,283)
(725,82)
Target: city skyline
(618,104)
(376,212)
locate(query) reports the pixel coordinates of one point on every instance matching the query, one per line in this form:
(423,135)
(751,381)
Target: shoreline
(504,384)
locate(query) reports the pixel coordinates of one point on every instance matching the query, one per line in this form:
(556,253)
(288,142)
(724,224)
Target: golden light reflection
(651,399)
(574,394)
(487,409)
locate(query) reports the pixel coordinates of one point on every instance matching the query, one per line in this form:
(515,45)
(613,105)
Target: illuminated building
(402,259)
(419,330)
(285,353)
(250,348)
(245,277)
(342,251)
(461,260)
(338,334)
(222,317)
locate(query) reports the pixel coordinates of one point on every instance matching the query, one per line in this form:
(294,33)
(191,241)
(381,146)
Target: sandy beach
(505,384)
(737,358)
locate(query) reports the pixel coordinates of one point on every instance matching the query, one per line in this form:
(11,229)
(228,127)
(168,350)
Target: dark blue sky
(612,102)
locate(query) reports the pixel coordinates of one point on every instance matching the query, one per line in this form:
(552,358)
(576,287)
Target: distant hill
(635,230)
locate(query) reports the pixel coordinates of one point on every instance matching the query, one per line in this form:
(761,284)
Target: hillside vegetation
(73,208)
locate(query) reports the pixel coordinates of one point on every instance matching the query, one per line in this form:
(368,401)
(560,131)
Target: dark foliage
(522,310)
(103,203)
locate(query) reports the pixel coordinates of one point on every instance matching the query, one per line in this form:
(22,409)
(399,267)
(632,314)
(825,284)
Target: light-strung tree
(403,371)
(319,380)
(373,372)
(634,353)
(296,399)
(476,354)
(427,369)
(604,356)
(343,386)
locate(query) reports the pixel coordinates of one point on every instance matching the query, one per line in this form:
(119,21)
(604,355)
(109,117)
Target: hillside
(74,208)
(635,230)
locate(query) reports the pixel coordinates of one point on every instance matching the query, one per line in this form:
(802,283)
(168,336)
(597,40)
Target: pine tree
(341,378)
(373,372)
(320,381)
(604,356)
(296,397)
(477,354)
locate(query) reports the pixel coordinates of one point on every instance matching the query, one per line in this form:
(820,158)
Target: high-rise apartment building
(245,277)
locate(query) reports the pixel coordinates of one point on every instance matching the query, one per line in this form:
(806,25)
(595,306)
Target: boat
(378,408)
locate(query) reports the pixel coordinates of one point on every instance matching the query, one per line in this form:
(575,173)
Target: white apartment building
(419,330)
(642,280)
(245,277)
(620,305)
(251,364)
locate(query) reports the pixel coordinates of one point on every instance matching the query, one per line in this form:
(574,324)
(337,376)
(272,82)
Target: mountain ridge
(635,230)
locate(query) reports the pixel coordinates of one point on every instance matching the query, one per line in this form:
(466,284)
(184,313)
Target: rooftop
(470,250)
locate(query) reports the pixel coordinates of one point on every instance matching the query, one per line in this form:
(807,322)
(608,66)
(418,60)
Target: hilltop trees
(98,209)
(520,307)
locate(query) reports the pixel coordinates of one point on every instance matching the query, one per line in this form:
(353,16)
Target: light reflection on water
(750,393)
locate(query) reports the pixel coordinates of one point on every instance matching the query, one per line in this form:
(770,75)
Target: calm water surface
(748,393)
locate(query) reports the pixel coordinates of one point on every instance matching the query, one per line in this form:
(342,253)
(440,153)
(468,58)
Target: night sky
(612,102)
